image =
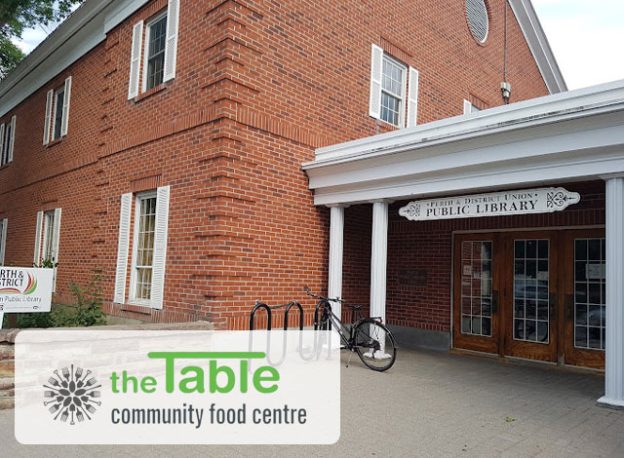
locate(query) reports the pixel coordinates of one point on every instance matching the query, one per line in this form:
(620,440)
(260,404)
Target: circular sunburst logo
(72,394)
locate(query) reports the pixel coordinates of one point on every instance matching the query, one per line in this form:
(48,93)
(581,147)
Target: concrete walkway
(430,404)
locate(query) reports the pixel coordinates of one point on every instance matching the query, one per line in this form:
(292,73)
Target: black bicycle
(368,337)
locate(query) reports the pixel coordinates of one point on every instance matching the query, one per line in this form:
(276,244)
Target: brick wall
(415,248)
(259,85)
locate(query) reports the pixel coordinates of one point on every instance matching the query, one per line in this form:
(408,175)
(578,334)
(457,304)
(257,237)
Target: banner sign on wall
(177,387)
(25,290)
(524,202)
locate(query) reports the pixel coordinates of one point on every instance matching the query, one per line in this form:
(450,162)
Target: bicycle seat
(354,306)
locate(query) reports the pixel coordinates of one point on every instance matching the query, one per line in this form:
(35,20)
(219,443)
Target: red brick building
(249,90)
(159,145)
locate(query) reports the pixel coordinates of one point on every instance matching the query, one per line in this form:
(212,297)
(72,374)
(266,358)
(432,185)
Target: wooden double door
(532,294)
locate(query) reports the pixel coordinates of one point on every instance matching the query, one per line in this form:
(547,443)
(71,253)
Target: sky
(585,35)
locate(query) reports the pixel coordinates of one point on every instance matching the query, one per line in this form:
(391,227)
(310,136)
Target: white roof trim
(539,46)
(83,30)
(569,136)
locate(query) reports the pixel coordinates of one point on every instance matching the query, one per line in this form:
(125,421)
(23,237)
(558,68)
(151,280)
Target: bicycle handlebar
(329,299)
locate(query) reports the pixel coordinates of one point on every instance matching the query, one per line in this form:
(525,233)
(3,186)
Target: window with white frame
(7,141)
(143,249)
(393,82)
(4,223)
(57,116)
(47,236)
(148,248)
(57,112)
(394,90)
(155,39)
(154,50)
(47,240)
(470,108)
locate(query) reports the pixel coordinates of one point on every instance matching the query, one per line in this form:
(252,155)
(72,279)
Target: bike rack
(269,310)
(316,314)
(301,317)
(252,318)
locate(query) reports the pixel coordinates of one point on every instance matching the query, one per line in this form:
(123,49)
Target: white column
(336,235)
(614,343)
(379,257)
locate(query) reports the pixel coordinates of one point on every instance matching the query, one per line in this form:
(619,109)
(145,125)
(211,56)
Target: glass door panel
(475,293)
(585,304)
(531,291)
(589,293)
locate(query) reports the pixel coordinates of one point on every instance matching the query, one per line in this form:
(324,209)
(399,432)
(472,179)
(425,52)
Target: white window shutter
(122,249)
(1,144)
(48,117)
(135,60)
(375,84)
(3,237)
(467,107)
(412,98)
(171,46)
(66,102)
(160,246)
(56,234)
(12,139)
(146,39)
(38,233)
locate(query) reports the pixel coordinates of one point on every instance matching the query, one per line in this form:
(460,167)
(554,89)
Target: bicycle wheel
(375,345)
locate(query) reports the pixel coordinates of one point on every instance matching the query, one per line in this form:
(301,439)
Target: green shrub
(86,310)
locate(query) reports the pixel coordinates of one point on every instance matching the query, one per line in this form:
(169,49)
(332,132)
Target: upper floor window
(478,19)
(7,142)
(155,51)
(470,108)
(393,85)
(57,121)
(158,47)
(57,112)
(394,90)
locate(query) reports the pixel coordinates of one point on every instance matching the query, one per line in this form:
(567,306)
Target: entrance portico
(553,141)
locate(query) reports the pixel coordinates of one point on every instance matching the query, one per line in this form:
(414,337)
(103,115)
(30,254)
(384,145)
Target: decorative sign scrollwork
(521,202)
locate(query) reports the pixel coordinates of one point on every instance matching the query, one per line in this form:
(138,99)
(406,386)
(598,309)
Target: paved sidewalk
(430,404)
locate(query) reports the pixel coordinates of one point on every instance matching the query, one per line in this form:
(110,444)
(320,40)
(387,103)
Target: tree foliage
(17,15)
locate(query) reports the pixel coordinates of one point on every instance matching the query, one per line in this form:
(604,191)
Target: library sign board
(25,290)
(522,202)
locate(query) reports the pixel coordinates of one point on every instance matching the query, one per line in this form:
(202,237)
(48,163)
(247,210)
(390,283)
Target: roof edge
(538,44)
(82,31)
(578,103)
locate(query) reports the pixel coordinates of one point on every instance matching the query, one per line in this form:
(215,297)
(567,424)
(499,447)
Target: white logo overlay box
(177,387)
